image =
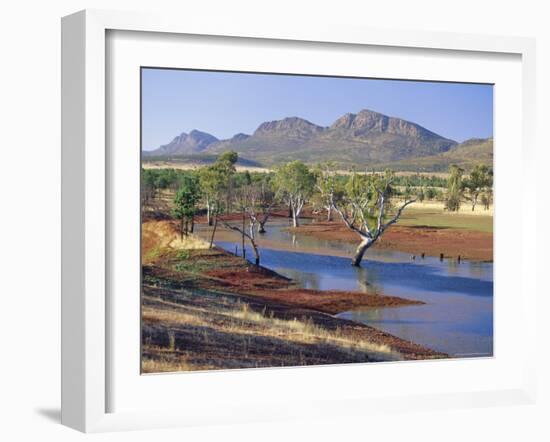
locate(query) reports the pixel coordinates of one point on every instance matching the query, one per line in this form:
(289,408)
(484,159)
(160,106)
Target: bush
(452,203)
(183,254)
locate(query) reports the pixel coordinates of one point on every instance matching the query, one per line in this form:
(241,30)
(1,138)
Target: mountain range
(365,139)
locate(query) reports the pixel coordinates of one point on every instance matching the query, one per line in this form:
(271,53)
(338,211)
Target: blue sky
(224,103)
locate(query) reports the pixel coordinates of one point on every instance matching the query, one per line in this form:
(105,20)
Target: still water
(457,317)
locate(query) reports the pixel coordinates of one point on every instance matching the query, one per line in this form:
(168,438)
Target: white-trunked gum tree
(295,185)
(365,207)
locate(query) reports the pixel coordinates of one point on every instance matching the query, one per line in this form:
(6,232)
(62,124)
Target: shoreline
(229,273)
(188,290)
(162,284)
(415,240)
(271,286)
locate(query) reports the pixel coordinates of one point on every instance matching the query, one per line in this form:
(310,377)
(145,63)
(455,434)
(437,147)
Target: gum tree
(185,203)
(247,200)
(327,186)
(216,183)
(479,182)
(365,209)
(455,188)
(294,184)
(265,200)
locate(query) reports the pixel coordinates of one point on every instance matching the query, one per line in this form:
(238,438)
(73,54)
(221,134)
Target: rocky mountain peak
(185,143)
(344,122)
(202,138)
(291,126)
(240,137)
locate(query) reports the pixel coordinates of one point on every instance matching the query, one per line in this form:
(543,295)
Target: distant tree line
(418,180)
(472,189)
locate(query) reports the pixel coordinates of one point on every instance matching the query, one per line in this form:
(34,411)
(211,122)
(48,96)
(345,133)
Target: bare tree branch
(248,235)
(350,225)
(236,229)
(397,215)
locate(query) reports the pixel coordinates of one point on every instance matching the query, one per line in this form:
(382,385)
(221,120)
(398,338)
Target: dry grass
(304,330)
(160,236)
(240,319)
(465,208)
(164,366)
(189,165)
(432,214)
(164,360)
(172,317)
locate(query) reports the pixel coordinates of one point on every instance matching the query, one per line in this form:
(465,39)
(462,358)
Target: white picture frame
(86,315)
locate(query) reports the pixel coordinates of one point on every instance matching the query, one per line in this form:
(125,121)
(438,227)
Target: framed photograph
(263,222)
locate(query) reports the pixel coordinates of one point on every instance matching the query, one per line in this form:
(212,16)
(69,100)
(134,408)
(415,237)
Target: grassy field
(433,215)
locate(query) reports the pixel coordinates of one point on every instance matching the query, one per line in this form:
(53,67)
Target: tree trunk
(296,210)
(208,215)
(329,213)
(181,229)
(256,253)
(192,223)
(368,238)
(295,219)
(242,237)
(213,231)
(360,251)
(290,211)
(253,242)
(262,223)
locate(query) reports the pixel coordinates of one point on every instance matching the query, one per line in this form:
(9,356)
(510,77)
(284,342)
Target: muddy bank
(326,301)
(432,241)
(216,269)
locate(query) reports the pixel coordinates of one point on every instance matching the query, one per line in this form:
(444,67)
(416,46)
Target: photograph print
(299,220)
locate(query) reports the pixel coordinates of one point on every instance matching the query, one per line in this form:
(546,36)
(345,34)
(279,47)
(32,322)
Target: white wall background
(30,214)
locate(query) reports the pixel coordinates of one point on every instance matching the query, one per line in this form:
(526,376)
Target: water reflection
(305,279)
(368,280)
(452,265)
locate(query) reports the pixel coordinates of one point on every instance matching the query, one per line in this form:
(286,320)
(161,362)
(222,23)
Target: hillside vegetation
(465,155)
